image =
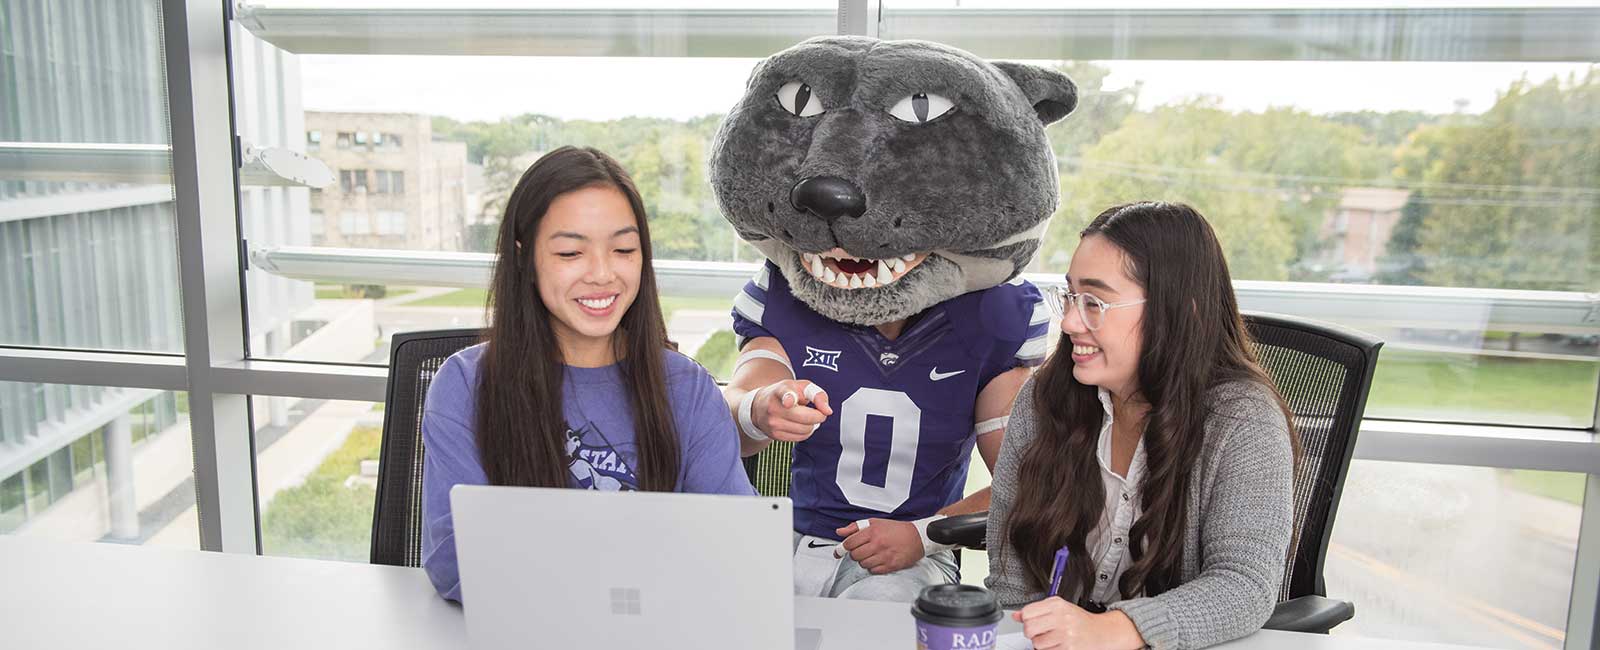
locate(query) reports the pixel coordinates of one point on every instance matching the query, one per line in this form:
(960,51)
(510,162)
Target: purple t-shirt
(600,443)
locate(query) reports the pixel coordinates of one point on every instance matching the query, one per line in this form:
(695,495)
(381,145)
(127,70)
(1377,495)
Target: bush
(717,354)
(322,518)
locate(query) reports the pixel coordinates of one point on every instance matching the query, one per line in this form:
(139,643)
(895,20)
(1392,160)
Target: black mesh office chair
(1324,372)
(769,470)
(397,514)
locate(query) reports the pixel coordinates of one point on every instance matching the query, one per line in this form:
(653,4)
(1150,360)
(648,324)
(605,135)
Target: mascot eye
(796,97)
(921,108)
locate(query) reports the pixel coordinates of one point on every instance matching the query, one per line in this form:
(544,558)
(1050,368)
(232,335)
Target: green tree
(501,147)
(1512,194)
(1100,110)
(1385,129)
(1401,264)
(1265,181)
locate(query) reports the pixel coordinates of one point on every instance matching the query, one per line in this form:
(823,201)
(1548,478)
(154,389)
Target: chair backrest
(769,470)
(1323,371)
(414,357)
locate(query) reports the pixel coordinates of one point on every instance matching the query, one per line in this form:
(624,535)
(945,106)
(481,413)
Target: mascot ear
(1053,95)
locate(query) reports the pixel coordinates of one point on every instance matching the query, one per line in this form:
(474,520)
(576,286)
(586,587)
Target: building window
(361,138)
(11,512)
(319,226)
(390,182)
(87,454)
(344,140)
(393,140)
(313,140)
(38,483)
(391,223)
(354,223)
(351,180)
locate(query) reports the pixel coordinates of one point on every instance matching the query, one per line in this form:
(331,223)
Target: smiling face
(1107,356)
(883,177)
(588,262)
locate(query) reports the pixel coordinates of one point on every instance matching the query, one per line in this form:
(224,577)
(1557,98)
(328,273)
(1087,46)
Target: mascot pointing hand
(897,190)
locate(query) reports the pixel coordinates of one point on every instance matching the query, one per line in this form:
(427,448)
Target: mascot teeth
(854,272)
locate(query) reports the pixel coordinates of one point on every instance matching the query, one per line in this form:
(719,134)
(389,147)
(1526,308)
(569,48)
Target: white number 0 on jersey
(907,420)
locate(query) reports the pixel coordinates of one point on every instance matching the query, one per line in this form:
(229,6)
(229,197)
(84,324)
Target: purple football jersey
(898,442)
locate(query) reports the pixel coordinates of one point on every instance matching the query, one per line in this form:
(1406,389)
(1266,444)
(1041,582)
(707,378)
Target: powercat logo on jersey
(821,359)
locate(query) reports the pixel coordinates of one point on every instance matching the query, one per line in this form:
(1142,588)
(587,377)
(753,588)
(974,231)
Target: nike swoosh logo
(935,375)
(814,544)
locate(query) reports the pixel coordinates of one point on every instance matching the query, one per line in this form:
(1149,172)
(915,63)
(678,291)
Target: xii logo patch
(821,359)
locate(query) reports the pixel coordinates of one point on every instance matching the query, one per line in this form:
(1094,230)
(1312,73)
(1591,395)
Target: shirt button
(1124,496)
(1117,540)
(1104,577)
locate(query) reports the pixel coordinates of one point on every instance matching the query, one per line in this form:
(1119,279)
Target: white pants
(852,581)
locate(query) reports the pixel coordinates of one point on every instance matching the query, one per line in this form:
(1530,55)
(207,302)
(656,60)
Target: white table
(75,595)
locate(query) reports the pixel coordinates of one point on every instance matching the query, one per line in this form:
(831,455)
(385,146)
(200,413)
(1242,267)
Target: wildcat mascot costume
(897,190)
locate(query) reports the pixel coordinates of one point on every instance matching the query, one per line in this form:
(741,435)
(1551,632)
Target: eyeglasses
(1091,310)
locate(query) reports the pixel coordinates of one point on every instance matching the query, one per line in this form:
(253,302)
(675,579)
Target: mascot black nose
(829,197)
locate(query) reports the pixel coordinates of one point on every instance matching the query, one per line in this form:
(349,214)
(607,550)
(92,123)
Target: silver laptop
(562,568)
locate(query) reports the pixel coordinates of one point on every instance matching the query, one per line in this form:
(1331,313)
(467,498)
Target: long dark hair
(1193,340)
(521,430)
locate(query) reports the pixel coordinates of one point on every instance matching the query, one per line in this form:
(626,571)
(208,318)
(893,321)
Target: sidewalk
(283,465)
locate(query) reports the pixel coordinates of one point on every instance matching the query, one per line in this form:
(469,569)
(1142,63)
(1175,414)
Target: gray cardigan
(1240,519)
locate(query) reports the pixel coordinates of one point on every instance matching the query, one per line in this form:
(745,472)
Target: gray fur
(974,188)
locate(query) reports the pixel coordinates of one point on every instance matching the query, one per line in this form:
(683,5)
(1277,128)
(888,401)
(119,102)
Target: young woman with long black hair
(574,385)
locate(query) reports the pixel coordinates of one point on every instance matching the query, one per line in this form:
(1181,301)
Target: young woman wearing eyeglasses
(1150,446)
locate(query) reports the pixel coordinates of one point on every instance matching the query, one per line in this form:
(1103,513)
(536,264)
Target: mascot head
(885,177)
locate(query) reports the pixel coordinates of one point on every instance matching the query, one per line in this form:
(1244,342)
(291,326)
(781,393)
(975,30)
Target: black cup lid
(958,601)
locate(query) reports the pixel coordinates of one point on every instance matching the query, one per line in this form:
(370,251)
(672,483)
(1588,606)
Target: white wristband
(752,355)
(929,547)
(747,425)
(991,424)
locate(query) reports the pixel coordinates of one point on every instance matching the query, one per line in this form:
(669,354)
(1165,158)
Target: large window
(1413,547)
(87,246)
(1421,172)
(88,463)
(478,134)
(1438,162)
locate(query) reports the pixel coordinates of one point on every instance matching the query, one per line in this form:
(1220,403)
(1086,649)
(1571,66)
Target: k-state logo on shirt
(821,359)
(595,464)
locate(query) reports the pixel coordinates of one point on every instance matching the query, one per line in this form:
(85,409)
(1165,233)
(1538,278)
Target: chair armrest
(961,530)
(1314,614)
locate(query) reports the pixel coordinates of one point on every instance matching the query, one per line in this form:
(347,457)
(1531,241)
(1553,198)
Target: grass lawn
(1466,387)
(321,518)
(330,292)
(1565,486)
(344,292)
(458,298)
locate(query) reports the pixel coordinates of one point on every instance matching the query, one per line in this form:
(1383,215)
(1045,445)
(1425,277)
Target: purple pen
(1056,571)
